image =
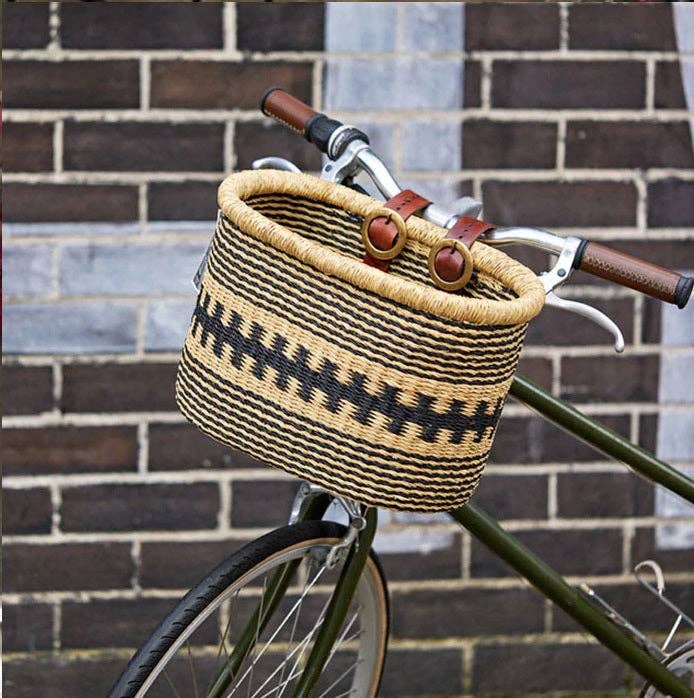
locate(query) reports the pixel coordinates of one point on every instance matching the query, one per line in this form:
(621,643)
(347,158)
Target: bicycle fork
(310,503)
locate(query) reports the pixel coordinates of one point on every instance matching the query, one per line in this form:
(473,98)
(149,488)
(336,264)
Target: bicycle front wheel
(248,628)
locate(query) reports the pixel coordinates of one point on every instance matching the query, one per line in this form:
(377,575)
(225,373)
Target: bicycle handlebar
(632,272)
(332,137)
(328,135)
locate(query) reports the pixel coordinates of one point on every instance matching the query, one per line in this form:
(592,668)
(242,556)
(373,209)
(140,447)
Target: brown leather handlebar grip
(632,272)
(289,110)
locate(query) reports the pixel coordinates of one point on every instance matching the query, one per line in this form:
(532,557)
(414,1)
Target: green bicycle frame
(518,556)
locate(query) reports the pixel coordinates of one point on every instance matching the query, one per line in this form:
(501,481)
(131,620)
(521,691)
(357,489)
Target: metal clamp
(356,524)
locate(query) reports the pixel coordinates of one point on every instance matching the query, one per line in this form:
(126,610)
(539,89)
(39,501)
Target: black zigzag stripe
(387,402)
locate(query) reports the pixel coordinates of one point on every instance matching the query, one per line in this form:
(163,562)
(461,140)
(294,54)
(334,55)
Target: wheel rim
(680,663)
(280,650)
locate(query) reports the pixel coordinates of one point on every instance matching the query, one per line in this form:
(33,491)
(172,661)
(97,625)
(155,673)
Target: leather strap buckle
(453,245)
(384,242)
(399,241)
(451,270)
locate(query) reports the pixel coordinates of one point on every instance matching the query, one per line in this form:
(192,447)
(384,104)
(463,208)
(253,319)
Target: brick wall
(120,120)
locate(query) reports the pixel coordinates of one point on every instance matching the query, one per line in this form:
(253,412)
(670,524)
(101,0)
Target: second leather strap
(450,261)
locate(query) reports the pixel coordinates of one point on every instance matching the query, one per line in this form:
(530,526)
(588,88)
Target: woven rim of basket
(240,186)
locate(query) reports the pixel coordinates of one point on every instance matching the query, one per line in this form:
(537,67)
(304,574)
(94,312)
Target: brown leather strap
(383,232)
(449,262)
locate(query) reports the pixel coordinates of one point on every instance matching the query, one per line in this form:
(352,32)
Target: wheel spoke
(304,643)
(339,678)
(283,623)
(254,652)
(171,683)
(277,619)
(223,640)
(192,669)
(295,623)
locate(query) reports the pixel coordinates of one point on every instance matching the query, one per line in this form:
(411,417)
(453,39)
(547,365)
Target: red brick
(67,567)
(464,612)
(49,674)
(472,87)
(224,85)
(254,140)
(537,370)
(568,84)
(644,547)
(156,507)
(263,503)
(69,450)
(27,627)
(181,565)
(119,388)
(27,389)
(509,144)
(25,24)
(131,26)
(145,147)
(573,552)
(638,27)
(296,26)
(513,496)
(114,622)
(610,379)
(435,563)
(103,84)
(534,440)
(26,510)
(542,668)
(669,86)
(565,204)
(422,671)
(671,205)
(43,203)
(27,147)
(182,201)
(183,447)
(603,495)
(517,27)
(648,431)
(628,144)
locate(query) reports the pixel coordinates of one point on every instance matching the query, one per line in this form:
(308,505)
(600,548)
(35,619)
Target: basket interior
(340,230)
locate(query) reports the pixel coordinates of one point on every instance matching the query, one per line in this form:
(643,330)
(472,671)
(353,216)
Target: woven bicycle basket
(376,386)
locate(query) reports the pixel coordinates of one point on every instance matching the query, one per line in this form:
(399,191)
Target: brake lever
(597,316)
(558,274)
(566,249)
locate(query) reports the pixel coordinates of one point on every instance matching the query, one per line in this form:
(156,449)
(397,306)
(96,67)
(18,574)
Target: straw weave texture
(376,386)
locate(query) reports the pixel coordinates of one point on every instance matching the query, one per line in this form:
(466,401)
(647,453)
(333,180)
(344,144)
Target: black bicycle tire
(209,587)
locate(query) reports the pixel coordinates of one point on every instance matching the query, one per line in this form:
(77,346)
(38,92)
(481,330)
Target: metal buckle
(400,240)
(467,268)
